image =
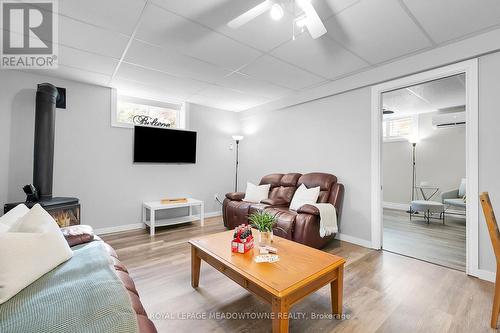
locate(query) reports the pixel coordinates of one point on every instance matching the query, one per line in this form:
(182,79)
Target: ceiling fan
(308,16)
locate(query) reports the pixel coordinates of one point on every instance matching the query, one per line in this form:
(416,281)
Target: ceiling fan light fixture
(301,21)
(303,3)
(277,12)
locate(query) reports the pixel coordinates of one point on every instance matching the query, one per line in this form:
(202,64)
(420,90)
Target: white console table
(154,206)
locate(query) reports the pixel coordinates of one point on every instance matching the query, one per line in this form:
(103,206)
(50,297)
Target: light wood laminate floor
(383,292)
(443,244)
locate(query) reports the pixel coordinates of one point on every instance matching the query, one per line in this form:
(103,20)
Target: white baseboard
(119,228)
(213,214)
(486,275)
(134,226)
(354,240)
(395,205)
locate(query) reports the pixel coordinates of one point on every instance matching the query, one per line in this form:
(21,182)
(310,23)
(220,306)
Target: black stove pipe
(45,123)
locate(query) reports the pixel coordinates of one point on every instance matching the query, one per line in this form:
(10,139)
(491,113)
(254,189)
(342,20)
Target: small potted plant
(264,222)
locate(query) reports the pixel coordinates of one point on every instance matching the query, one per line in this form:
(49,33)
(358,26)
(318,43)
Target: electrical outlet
(231,147)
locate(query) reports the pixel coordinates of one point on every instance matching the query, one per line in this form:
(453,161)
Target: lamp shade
(237,137)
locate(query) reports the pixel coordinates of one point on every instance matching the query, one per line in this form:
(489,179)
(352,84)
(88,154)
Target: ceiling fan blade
(251,14)
(313,22)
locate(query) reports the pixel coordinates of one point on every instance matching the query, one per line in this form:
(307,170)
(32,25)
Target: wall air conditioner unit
(447,120)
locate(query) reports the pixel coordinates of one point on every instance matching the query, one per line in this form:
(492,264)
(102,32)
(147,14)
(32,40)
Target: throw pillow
(256,193)
(304,196)
(35,247)
(9,220)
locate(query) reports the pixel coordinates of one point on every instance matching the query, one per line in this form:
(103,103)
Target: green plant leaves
(263,221)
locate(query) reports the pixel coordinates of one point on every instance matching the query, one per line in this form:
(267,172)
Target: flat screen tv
(160,145)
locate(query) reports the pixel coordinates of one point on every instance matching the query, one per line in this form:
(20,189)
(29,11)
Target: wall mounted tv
(160,145)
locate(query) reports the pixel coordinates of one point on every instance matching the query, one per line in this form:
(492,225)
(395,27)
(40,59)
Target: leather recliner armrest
(78,234)
(275,202)
(308,209)
(236,196)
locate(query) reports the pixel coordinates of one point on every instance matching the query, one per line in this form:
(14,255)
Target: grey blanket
(81,295)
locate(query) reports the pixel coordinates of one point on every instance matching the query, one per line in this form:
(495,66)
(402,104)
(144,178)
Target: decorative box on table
(242,239)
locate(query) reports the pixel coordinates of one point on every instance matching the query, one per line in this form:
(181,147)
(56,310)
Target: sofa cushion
(455,202)
(324,180)
(257,208)
(29,249)
(285,220)
(290,179)
(237,212)
(273,179)
(304,196)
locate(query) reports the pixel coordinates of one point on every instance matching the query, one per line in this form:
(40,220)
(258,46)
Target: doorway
(423,171)
(428,212)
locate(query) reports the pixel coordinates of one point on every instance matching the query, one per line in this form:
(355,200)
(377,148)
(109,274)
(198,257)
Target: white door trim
(470,68)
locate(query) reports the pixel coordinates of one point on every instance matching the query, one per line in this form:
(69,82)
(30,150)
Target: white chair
(455,198)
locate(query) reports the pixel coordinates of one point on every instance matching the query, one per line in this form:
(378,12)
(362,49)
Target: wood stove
(66,211)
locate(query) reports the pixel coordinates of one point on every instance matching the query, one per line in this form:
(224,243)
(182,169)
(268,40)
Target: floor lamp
(413,141)
(237,138)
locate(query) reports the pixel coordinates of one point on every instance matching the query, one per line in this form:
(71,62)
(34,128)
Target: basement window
(399,129)
(130,111)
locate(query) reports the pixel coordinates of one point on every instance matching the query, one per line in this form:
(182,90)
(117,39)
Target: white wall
(93,161)
(333,134)
(328,135)
(440,161)
(489,150)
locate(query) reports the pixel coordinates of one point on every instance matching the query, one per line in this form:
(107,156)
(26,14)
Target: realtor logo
(29,34)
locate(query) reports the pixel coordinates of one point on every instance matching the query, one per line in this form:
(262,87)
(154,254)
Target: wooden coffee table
(300,271)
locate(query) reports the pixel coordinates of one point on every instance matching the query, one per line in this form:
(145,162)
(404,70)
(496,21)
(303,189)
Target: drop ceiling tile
(443,93)
(89,38)
(430,96)
(163,28)
(248,85)
(86,61)
(263,32)
(147,55)
(222,51)
(226,99)
(403,102)
(117,15)
(178,87)
(327,8)
(273,70)
(322,56)
(136,89)
(74,74)
(377,30)
(213,13)
(448,19)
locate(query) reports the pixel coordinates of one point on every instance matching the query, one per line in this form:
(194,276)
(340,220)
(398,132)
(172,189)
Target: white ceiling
(442,94)
(183,51)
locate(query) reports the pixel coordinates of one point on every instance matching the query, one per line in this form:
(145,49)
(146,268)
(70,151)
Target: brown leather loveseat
(300,226)
(82,234)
